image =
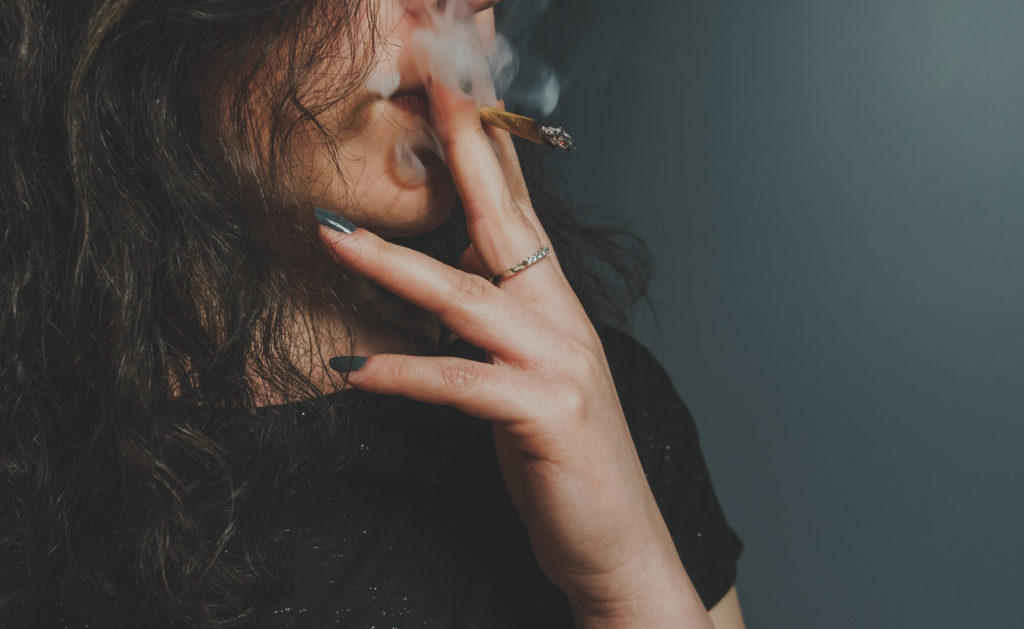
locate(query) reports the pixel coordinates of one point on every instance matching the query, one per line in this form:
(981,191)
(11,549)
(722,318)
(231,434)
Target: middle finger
(500,229)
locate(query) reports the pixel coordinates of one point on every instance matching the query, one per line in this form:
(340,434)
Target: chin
(413,225)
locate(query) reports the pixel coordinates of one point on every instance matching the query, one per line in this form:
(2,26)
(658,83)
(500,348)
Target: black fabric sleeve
(666,439)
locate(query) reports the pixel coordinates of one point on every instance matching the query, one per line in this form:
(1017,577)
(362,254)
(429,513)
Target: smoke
(448,47)
(384,80)
(411,168)
(535,86)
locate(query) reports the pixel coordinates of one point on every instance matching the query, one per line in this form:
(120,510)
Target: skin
(372,190)
(562,440)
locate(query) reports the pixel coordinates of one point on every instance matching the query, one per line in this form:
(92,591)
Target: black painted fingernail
(332,220)
(347,363)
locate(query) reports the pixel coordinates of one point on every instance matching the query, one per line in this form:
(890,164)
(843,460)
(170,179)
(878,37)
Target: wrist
(654,600)
(651,589)
(654,591)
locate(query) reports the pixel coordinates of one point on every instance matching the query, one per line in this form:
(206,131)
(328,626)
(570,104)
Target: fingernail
(347,363)
(332,220)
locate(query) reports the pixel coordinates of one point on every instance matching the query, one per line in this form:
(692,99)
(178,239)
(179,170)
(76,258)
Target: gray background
(833,193)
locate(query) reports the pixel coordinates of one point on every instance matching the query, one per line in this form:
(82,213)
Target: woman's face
(392,179)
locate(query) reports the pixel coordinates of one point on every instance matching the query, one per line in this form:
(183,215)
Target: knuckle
(470,288)
(463,134)
(459,375)
(391,371)
(572,401)
(515,211)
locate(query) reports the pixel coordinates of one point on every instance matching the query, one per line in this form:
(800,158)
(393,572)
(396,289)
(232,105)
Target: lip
(412,101)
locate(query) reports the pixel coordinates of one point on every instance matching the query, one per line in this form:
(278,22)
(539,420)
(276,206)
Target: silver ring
(525,264)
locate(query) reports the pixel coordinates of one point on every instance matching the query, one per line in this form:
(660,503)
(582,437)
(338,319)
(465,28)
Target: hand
(562,441)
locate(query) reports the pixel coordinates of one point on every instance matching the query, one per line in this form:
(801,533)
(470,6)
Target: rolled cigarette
(527,128)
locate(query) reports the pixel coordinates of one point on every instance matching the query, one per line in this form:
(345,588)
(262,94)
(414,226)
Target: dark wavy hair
(147,291)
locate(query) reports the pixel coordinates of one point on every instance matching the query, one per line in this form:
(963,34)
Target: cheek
(369,181)
(413,211)
(373,188)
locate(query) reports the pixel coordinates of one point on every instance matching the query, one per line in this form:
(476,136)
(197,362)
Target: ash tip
(557,137)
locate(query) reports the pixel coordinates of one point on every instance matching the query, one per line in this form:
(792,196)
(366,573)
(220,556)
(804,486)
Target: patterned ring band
(528,262)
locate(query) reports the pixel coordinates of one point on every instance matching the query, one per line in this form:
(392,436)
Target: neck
(317,337)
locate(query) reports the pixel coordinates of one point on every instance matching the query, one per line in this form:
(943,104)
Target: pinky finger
(480,389)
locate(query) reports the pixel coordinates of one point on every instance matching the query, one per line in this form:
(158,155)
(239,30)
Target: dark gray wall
(834,193)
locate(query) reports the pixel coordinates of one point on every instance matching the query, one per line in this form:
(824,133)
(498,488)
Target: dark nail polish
(347,363)
(332,220)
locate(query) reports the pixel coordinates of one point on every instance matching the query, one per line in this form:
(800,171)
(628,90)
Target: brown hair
(144,295)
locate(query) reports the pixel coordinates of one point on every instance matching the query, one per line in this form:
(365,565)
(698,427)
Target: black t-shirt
(418,530)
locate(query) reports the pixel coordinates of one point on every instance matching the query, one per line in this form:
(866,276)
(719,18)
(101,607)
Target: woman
(217,411)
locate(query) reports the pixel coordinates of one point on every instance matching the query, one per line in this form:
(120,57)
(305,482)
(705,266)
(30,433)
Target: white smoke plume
(448,47)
